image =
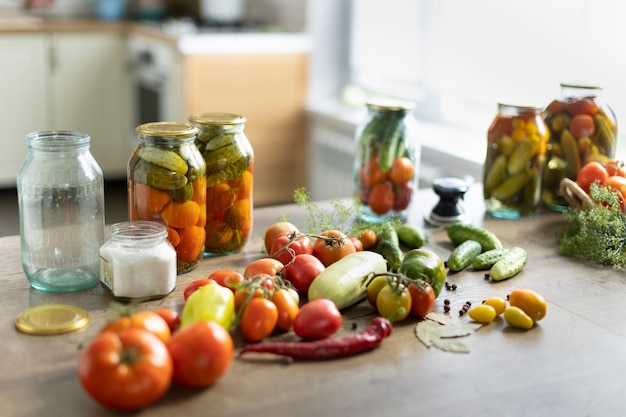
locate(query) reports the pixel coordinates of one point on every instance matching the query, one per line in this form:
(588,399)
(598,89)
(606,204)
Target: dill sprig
(596,232)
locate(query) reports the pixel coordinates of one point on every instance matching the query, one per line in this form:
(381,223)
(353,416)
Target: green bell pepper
(210,302)
(425,264)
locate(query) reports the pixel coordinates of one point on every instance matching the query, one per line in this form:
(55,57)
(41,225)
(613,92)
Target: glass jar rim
(519,107)
(57,139)
(387,103)
(581,86)
(138,231)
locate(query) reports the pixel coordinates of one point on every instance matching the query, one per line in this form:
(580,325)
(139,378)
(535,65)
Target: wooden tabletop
(572,363)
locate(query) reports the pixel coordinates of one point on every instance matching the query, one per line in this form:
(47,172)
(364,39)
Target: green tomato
(210,302)
(425,264)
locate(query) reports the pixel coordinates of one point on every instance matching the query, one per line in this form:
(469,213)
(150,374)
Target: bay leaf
(443,331)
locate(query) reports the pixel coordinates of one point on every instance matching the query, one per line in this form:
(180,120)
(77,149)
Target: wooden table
(573,363)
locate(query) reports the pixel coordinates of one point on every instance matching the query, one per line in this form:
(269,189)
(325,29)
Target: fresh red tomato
(402,171)
(619,184)
(317,319)
(422,298)
(304,269)
(269,266)
(125,370)
(284,248)
(258,320)
(226,277)
(403,194)
(331,250)
(274,230)
(368,238)
(287,308)
(146,320)
(381,198)
(194,285)
(202,352)
(171,317)
(615,167)
(591,172)
(584,105)
(358,245)
(390,300)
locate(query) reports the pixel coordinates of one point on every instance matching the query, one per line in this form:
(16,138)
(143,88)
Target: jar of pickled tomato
(387,160)
(167,184)
(229,159)
(516,154)
(583,128)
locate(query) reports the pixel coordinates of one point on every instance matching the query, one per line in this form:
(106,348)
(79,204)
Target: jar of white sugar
(137,261)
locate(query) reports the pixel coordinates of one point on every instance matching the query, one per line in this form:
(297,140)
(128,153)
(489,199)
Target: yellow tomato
(530,302)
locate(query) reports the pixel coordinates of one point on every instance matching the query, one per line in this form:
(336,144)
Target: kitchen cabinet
(269,90)
(64,81)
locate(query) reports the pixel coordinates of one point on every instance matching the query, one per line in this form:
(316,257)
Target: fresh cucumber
(463,255)
(411,236)
(460,232)
(388,232)
(342,282)
(488,259)
(509,265)
(392,254)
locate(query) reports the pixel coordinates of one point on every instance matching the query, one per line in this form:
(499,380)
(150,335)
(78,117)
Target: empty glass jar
(61,206)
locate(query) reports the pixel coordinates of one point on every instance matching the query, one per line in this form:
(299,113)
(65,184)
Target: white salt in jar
(138,261)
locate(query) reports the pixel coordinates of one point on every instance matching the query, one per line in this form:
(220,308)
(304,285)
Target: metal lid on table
(51,319)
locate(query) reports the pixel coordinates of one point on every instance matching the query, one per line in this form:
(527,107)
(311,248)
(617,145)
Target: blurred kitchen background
(298,70)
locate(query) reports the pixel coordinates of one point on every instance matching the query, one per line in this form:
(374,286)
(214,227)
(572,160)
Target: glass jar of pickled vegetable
(516,154)
(229,180)
(166,184)
(582,128)
(387,160)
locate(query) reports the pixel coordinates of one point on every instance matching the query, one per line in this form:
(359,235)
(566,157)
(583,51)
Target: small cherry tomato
(422,298)
(146,320)
(317,319)
(194,285)
(374,288)
(516,317)
(287,245)
(273,230)
(391,300)
(304,269)
(125,370)
(258,320)
(226,277)
(497,303)
(402,171)
(615,167)
(171,317)
(482,313)
(591,172)
(368,238)
(358,245)
(618,183)
(530,301)
(269,266)
(201,352)
(582,106)
(582,125)
(287,308)
(332,246)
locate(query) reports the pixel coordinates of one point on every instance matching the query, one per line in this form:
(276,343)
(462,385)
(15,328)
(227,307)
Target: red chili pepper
(331,347)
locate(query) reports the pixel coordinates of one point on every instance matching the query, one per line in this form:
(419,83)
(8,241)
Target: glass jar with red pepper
(166,184)
(516,155)
(583,128)
(387,160)
(229,180)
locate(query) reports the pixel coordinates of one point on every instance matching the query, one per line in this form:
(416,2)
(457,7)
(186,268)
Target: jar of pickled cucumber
(387,160)
(166,184)
(229,180)
(516,154)
(582,128)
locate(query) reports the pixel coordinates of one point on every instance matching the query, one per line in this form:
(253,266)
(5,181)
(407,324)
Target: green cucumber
(343,281)
(488,259)
(388,232)
(463,255)
(392,254)
(460,232)
(509,265)
(411,236)
(389,144)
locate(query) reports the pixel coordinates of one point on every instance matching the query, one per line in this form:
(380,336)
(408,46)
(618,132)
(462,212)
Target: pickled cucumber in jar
(167,184)
(516,154)
(582,128)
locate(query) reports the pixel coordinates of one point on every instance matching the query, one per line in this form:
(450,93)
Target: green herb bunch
(596,232)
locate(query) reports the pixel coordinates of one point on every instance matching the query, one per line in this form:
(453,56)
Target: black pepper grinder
(449,208)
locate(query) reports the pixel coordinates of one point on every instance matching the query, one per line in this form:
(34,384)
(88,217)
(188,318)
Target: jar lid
(519,107)
(169,129)
(216,119)
(384,103)
(51,319)
(581,86)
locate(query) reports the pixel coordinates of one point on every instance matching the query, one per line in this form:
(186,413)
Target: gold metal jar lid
(384,103)
(51,319)
(167,129)
(216,119)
